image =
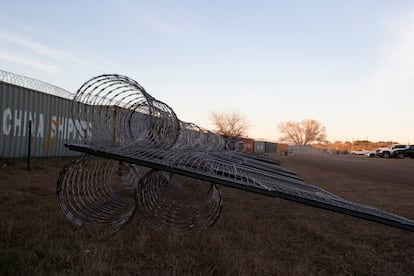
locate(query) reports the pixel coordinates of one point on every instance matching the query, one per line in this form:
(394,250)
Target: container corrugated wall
(259,146)
(248,144)
(270,147)
(282,149)
(50,115)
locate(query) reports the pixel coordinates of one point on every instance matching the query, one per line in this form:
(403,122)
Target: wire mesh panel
(174,168)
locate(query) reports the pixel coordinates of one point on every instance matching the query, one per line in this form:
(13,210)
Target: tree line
(303,133)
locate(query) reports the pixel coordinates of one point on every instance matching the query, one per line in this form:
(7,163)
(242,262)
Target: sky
(347,64)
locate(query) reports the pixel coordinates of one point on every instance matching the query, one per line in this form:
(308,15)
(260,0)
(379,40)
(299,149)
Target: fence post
(29,143)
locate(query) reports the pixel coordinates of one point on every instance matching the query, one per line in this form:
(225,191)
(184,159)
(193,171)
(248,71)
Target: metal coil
(124,115)
(34,84)
(170,200)
(171,166)
(95,190)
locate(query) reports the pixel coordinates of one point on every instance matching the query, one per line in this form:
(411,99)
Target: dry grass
(254,235)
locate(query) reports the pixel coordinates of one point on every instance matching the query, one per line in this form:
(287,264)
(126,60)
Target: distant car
(359,152)
(389,150)
(403,152)
(370,153)
(410,152)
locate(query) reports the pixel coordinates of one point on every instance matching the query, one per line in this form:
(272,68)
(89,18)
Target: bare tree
(229,124)
(302,133)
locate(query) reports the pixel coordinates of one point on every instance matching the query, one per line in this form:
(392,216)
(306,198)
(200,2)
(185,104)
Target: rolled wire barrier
(96,190)
(141,159)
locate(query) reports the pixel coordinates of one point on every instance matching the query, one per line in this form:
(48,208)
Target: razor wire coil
(34,84)
(124,116)
(144,160)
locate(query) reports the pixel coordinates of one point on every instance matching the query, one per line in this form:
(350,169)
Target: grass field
(254,235)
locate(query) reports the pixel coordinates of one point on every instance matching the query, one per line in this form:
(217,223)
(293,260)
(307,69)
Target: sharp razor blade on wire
(140,158)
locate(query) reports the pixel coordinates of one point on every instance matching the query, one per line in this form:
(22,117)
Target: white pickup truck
(389,150)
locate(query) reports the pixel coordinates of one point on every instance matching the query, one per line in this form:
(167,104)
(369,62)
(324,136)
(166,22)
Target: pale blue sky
(348,64)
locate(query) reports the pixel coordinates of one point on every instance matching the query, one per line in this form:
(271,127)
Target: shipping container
(282,149)
(47,117)
(270,147)
(55,121)
(248,145)
(259,146)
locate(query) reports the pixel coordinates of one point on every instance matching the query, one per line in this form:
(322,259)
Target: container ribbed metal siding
(270,147)
(52,124)
(259,146)
(248,144)
(282,148)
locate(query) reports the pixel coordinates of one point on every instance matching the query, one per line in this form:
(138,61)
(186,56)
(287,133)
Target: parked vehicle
(389,150)
(370,153)
(410,152)
(402,153)
(359,152)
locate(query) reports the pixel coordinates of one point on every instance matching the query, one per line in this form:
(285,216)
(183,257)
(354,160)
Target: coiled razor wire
(123,113)
(34,84)
(98,190)
(171,200)
(140,159)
